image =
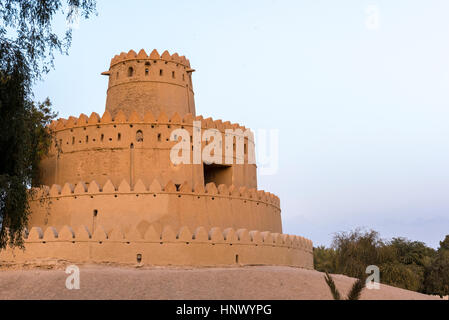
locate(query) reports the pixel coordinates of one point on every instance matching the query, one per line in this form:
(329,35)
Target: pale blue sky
(363,114)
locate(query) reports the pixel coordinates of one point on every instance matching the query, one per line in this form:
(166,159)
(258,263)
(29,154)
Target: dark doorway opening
(219,174)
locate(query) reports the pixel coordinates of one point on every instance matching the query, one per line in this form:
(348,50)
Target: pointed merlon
(166,55)
(215,235)
(142,54)
(99,234)
(140,187)
(175,57)
(154,55)
(243,236)
(256,237)
(67,189)
(82,120)
(66,234)
(134,117)
(83,234)
(230,236)
(35,234)
(149,117)
(155,186)
(184,235)
(80,188)
(162,118)
(106,118)
(152,235)
(176,118)
(50,234)
(93,188)
(168,235)
(131,54)
(200,235)
(108,187)
(211,188)
(170,187)
(55,190)
(124,187)
(120,117)
(94,118)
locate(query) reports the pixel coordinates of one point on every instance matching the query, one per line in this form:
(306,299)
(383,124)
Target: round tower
(156,83)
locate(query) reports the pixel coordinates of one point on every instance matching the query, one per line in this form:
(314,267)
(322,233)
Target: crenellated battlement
(163,246)
(135,118)
(122,147)
(154,55)
(94,189)
(150,234)
(178,205)
(141,83)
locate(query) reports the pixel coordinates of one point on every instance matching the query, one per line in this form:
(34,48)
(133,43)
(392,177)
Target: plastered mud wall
(141,83)
(134,147)
(202,247)
(112,205)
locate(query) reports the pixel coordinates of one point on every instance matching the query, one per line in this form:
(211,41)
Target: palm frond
(356,290)
(333,288)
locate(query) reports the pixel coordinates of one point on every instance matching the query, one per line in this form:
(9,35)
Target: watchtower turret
(156,83)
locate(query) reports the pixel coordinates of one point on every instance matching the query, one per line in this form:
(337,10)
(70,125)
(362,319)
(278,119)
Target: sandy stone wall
(141,83)
(132,148)
(112,205)
(202,247)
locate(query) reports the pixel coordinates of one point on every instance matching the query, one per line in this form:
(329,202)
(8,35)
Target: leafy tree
(356,250)
(403,263)
(436,278)
(324,259)
(27,46)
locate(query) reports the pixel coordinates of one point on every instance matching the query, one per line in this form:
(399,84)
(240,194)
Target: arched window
(130,71)
(139,136)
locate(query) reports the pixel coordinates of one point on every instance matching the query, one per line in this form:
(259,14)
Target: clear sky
(362,108)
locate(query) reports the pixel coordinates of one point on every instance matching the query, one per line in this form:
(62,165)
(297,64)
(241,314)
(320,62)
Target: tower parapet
(140,82)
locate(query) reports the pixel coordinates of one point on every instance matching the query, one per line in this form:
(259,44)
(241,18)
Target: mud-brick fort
(112,193)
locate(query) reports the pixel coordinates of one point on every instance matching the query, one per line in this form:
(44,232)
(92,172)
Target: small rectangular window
(147,71)
(160,72)
(159,137)
(173,74)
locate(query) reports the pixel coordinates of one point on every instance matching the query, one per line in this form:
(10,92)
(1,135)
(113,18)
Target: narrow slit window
(139,136)
(102,137)
(173,74)
(73,140)
(160,72)
(147,71)
(130,71)
(159,137)
(119,136)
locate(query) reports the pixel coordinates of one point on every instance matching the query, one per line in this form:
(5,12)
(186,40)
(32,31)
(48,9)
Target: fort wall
(141,83)
(171,246)
(132,148)
(109,205)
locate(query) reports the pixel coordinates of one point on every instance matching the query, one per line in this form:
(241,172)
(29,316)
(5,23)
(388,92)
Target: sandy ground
(139,282)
